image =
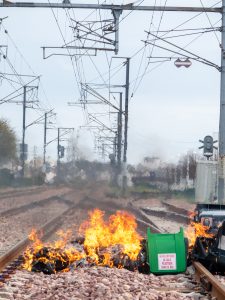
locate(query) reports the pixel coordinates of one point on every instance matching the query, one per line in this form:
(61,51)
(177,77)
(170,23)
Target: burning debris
(112,243)
(196,230)
(206,234)
(116,243)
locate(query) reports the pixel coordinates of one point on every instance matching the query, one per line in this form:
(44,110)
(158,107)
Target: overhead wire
(10,38)
(85,110)
(62,36)
(161,63)
(165,33)
(144,49)
(151,52)
(210,22)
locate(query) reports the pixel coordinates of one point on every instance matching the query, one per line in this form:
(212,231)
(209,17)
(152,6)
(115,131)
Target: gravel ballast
(98,283)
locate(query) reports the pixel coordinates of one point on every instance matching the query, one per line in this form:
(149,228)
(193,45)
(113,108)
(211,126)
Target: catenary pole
(131,7)
(45,138)
(221,171)
(24,128)
(126,111)
(58,157)
(119,147)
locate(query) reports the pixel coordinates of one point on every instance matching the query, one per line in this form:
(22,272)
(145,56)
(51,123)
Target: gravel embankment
(147,203)
(16,228)
(17,201)
(182,203)
(98,283)
(221,279)
(167,225)
(89,282)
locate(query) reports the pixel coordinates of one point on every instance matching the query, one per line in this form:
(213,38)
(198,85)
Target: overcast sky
(171,108)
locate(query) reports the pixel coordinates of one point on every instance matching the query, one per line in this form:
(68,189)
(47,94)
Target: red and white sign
(167,261)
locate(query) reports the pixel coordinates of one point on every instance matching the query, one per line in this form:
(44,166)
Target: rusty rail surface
(174,208)
(169,215)
(51,226)
(20,209)
(209,282)
(48,228)
(21,192)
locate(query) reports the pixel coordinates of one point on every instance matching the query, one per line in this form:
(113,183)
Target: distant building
(152,163)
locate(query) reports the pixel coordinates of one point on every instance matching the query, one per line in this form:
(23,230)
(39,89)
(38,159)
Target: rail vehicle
(210,249)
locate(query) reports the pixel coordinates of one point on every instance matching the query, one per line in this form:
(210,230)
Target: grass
(188,194)
(139,190)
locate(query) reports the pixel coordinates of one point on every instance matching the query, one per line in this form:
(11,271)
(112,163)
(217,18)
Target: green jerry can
(167,252)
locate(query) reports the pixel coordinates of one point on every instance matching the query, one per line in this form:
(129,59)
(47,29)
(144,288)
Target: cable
(57,23)
(171,30)
(210,22)
(26,62)
(148,63)
(144,50)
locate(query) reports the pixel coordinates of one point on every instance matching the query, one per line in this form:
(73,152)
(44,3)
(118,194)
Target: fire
(119,230)
(102,241)
(50,254)
(195,230)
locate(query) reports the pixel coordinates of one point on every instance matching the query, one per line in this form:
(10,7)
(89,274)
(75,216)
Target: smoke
(77,149)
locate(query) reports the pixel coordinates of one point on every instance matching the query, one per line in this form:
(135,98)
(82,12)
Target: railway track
(16,210)
(209,282)
(16,222)
(207,287)
(176,209)
(170,215)
(23,192)
(8,258)
(12,256)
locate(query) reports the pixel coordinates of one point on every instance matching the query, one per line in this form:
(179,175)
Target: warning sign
(167,261)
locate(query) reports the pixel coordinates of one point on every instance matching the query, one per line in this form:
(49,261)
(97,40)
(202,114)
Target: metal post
(116,14)
(221,173)
(58,158)
(126,124)
(188,170)
(24,128)
(103,152)
(45,138)
(115,146)
(119,147)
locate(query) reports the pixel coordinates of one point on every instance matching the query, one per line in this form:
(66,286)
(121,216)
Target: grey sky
(171,109)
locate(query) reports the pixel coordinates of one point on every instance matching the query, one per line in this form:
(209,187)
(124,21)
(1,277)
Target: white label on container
(167,261)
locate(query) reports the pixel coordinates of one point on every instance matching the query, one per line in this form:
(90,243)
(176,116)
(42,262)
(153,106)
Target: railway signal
(208,146)
(61,151)
(182,63)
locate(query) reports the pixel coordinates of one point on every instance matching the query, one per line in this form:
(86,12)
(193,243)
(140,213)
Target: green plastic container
(166,253)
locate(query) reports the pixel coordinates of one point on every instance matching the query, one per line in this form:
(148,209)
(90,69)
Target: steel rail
(109,7)
(23,208)
(174,208)
(51,226)
(48,228)
(22,192)
(209,282)
(171,215)
(142,219)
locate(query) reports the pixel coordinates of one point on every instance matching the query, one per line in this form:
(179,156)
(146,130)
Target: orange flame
(101,238)
(195,230)
(30,255)
(119,230)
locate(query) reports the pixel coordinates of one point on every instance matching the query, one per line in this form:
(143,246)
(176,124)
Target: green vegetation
(142,191)
(7,142)
(188,194)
